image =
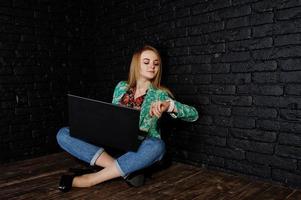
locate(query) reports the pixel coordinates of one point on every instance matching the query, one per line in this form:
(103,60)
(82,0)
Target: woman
(142,91)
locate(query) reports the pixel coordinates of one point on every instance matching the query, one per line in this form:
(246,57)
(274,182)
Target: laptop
(104,124)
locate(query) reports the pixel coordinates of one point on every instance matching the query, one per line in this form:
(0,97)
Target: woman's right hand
(158,107)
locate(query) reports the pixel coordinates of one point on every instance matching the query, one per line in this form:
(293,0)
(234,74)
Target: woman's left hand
(158,107)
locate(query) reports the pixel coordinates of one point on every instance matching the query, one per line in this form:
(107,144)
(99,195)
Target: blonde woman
(142,91)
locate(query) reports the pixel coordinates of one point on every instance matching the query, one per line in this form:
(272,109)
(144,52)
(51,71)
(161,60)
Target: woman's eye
(146,63)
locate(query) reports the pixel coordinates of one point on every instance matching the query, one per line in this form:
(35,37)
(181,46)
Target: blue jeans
(150,150)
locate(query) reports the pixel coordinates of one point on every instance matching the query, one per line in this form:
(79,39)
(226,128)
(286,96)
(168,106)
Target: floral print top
(129,100)
(149,123)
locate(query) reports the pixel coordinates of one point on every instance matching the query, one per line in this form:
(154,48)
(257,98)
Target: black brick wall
(237,61)
(46,51)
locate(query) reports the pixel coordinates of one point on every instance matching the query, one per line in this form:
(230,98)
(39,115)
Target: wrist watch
(171,105)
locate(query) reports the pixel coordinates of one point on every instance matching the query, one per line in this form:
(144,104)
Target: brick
(282,102)
(234,34)
(232,100)
(254,112)
(208,49)
(205,120)
(257,135)
(293,127)
(188,79)
(210,6)
(288,151)
(201,68)
(243,122)
(264,6)
(272,160)
(290,64)
(236,56)
(249,145)
(231,78)
(261,18)
(206,28)
(268,125)
(290,77)
(290,115)
(248,168)
(215,140)
(242,2)
(217,110)
(292,89)
(265,77)
(290,139)
(216,89)
(238,22)
(263,30)
(265,54)
(260,90)
(282,27)
(201,79)
(290,39)
(225,152)
(220,68)
(286,14)
(245,45)
(223,121)
(286,177)
(179,69)
(213,130)
(234,12)
(252,66)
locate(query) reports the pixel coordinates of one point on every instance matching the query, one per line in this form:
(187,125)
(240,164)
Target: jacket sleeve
(118,92)
(185,112)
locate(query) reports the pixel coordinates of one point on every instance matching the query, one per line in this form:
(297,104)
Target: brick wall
(237,61)
(46,51)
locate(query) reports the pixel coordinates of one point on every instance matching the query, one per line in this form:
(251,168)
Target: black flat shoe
(135,180)
(66,183)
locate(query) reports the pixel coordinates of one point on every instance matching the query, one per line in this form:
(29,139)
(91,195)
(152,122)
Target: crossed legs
(150,151)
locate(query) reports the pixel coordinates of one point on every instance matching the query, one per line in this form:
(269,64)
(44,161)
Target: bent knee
(62,134)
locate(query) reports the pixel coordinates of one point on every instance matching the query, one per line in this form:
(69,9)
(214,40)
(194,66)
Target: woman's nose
(152,65)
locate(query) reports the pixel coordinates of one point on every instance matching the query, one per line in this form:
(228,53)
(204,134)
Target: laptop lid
(104,124)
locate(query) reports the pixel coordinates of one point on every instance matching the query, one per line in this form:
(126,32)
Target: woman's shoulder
(121,85)
(161,91)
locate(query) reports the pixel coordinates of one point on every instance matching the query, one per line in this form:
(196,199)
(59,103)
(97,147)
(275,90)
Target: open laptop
(104,124)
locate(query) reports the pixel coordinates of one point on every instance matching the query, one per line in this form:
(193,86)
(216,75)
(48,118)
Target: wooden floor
(38,179)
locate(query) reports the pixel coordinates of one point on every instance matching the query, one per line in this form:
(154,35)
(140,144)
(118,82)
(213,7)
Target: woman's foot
(83,180)
(74,180)
(66,182)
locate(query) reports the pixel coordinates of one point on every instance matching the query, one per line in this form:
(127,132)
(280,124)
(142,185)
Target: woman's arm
(177,110)
(119,92)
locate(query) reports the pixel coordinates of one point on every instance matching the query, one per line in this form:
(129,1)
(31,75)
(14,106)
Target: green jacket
(147,123)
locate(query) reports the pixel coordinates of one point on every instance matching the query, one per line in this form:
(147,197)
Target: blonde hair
(134,72)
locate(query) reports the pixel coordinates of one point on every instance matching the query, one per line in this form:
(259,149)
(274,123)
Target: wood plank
(16,172)
(38,179)
(295,195)
(272,193)
(159,181)
(206,186)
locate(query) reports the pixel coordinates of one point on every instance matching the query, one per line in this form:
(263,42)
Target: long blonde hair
(134,72)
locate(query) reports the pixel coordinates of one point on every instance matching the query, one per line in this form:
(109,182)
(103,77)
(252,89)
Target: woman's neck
(142,84)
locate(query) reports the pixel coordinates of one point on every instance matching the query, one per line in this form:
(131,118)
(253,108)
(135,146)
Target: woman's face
(149,64)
